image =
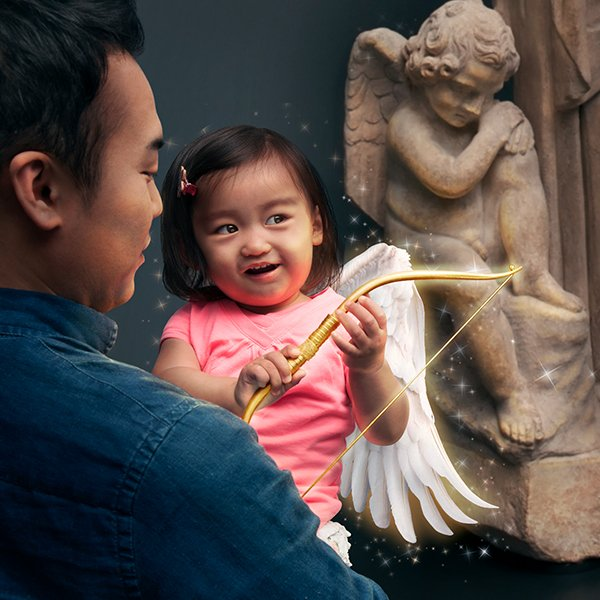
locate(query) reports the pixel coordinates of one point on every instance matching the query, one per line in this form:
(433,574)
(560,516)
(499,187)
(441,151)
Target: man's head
(53,60)
(79,139)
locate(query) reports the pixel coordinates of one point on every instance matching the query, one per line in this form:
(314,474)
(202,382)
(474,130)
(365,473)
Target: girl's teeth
(263,269)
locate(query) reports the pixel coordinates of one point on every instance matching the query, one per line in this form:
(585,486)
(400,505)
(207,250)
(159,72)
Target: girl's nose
(255,245)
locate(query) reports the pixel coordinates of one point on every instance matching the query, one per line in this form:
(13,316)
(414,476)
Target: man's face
(107,236)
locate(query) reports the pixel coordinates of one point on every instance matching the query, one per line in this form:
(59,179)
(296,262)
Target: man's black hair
(53,62)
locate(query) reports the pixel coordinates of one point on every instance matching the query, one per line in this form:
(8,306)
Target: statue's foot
(519,419)
(547,289)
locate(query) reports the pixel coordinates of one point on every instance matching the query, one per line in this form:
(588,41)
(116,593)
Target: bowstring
(406,386)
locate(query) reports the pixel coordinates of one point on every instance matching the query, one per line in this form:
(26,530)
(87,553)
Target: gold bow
(316,339)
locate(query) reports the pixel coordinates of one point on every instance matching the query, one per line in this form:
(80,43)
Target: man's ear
(38,182)
(317,227)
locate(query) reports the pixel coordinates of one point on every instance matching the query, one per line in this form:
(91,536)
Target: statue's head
(456,33)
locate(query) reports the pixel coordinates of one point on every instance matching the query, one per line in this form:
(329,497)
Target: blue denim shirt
(114,484)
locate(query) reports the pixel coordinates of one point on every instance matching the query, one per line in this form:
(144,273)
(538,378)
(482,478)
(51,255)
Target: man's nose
(156,201)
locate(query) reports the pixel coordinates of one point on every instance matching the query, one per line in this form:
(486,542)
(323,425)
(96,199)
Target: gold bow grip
(316,339)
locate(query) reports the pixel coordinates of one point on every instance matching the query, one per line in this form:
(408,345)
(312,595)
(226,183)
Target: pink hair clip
(185,187)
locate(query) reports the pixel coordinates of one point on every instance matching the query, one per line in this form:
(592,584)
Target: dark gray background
(282,64)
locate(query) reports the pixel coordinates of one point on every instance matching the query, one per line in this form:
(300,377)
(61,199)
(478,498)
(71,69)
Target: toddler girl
(249,241)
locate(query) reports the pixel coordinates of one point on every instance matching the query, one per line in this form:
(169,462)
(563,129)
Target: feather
(417,461)
(379,503)
(398,495)
(360,479)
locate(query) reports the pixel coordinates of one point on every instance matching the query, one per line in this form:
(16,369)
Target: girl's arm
(415,143)
(371,382)
(177,363)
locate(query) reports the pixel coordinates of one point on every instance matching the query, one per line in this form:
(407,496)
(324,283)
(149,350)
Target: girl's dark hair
(53,62)
(184,271)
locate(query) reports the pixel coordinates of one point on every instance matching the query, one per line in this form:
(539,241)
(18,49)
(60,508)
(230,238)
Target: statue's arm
(413,141)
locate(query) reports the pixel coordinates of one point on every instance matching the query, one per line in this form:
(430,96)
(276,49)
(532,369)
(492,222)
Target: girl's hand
(365,350)
(271,369)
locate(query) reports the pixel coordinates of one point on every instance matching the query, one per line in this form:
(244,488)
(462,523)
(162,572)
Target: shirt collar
(35,313)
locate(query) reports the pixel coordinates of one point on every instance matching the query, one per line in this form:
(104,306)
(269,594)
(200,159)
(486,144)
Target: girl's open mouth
(260,269)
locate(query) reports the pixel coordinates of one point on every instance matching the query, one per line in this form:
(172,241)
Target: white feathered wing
(418,461)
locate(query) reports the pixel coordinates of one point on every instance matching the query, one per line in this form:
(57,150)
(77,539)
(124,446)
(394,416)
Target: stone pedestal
(548,509)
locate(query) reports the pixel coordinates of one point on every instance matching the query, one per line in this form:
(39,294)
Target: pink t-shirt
(306,428)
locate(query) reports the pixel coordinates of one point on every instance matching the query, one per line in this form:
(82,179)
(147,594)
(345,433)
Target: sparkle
(459,350)
(547,374)
(457,415)
(443,311)
(476,268)
(461,463)
(169,143)
(160,305)
(462,386)
(157,275)
(483,552)
(305,127)
(354,219)
(335,158)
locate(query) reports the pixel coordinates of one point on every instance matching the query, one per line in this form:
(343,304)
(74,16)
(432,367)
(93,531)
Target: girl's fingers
(369,321)
(346,346)
(274,369)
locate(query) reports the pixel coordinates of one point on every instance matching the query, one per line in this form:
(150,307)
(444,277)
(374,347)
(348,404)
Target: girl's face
(459,101)
(256,230)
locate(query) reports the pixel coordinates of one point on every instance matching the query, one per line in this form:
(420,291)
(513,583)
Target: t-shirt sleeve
(178,326)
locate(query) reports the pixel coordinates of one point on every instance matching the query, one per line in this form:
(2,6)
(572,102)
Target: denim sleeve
(215,518)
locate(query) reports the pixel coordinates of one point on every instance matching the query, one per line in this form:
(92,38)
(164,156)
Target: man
(112,483)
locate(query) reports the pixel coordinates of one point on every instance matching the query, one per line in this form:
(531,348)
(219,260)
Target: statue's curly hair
(455,33)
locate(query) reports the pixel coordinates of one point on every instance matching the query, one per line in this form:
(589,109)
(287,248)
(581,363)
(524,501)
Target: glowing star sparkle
(547,374)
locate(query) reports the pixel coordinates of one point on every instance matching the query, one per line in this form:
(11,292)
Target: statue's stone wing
(374,87)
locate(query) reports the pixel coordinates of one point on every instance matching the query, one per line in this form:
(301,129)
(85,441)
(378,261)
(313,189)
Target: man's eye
(275,219)
(225,229)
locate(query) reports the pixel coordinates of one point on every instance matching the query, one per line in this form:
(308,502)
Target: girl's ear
(38,183)
(317,227)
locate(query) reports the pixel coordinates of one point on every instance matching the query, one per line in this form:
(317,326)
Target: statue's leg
(515,185)
(491,343)
(489,338)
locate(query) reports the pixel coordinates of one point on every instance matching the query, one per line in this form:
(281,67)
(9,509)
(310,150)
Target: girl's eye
(275,220)
(225,229)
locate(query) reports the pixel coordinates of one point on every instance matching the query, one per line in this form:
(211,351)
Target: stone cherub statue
(452,173)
